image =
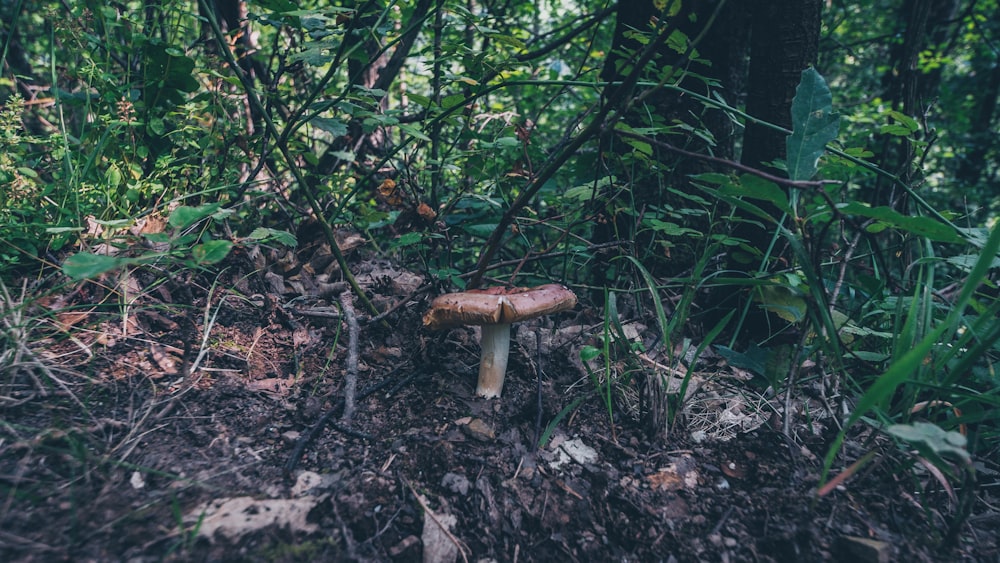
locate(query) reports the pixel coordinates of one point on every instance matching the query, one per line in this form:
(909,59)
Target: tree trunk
(908,88)
(784,42)
(981,138)
(715,67)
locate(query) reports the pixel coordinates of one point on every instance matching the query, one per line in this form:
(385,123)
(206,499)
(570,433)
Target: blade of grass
(911,361)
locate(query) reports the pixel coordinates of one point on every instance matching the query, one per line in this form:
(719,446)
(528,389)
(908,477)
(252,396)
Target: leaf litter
(182,448)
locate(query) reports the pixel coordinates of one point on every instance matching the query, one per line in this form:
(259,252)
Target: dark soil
(199,397)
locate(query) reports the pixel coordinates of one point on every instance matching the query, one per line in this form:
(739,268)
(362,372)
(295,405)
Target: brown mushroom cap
(497,305)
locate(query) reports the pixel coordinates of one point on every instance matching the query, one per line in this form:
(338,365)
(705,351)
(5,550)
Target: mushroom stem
(495,342)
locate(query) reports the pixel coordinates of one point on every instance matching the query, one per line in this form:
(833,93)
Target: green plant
(187,534)
(604,381)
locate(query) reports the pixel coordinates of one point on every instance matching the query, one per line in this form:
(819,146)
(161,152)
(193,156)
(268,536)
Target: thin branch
(310,435)
(351,375)
(809,185)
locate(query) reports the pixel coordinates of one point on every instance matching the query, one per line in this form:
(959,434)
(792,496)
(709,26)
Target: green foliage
(814,124)
(932,442)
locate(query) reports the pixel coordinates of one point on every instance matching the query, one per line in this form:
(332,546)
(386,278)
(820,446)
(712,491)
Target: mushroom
(495,309)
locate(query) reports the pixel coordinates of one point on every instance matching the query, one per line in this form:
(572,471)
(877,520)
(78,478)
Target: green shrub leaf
(211,252)
(185,216)
(922,226)
(814,124)
(85,265)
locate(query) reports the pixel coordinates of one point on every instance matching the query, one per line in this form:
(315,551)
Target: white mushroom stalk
(495,309)
(495,343)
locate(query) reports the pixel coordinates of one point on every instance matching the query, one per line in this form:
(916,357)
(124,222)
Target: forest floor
(168,431)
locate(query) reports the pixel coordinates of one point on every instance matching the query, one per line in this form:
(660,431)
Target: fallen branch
(351,375)
(310,435)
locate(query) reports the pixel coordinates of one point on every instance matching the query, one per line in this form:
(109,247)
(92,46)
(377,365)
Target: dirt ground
(168,429)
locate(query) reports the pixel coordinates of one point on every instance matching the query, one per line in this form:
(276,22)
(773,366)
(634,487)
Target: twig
(430,513)
(845,474)
(809,184)
(793,373)
(844,263)
(351,375)
(310,435)
(722,521)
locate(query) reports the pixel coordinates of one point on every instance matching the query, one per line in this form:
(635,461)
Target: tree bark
(981,138)
(784,42)
(908,88)
(715,67)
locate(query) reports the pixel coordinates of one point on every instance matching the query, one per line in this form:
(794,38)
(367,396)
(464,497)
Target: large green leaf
(814,124)
(889,217)
(185,216)
(85,265)
(930,437)
(211,252)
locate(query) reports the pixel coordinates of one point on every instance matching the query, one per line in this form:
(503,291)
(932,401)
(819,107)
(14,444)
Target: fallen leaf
(439,544)
(236,517)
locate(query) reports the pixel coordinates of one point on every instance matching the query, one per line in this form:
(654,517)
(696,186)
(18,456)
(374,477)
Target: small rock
(305,482)
(578,451)
(478,430)
(137,481)
(456,483)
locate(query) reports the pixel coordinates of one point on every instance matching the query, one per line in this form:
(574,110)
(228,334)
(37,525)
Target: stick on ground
(351,375)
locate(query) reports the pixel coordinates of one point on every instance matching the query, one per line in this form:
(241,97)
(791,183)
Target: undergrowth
(170,141)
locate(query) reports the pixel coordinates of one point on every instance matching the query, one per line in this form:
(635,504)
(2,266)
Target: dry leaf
(234,518)
(439,547)
(426,213)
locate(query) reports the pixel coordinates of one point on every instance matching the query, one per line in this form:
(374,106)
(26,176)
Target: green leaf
(414,132)
(921,226)
(589,352)
(905,122)
(85,265)
(211,252)
(508,40)
(406,239)
(452,101)
(640,147)
(965,262)
(754,359)
(185,216)
(814,124)
(782,300)
(113,176)
(480,230)
(894,129)
(669,229)
(281,237)
(335,127)
(758,188)
(933,437)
